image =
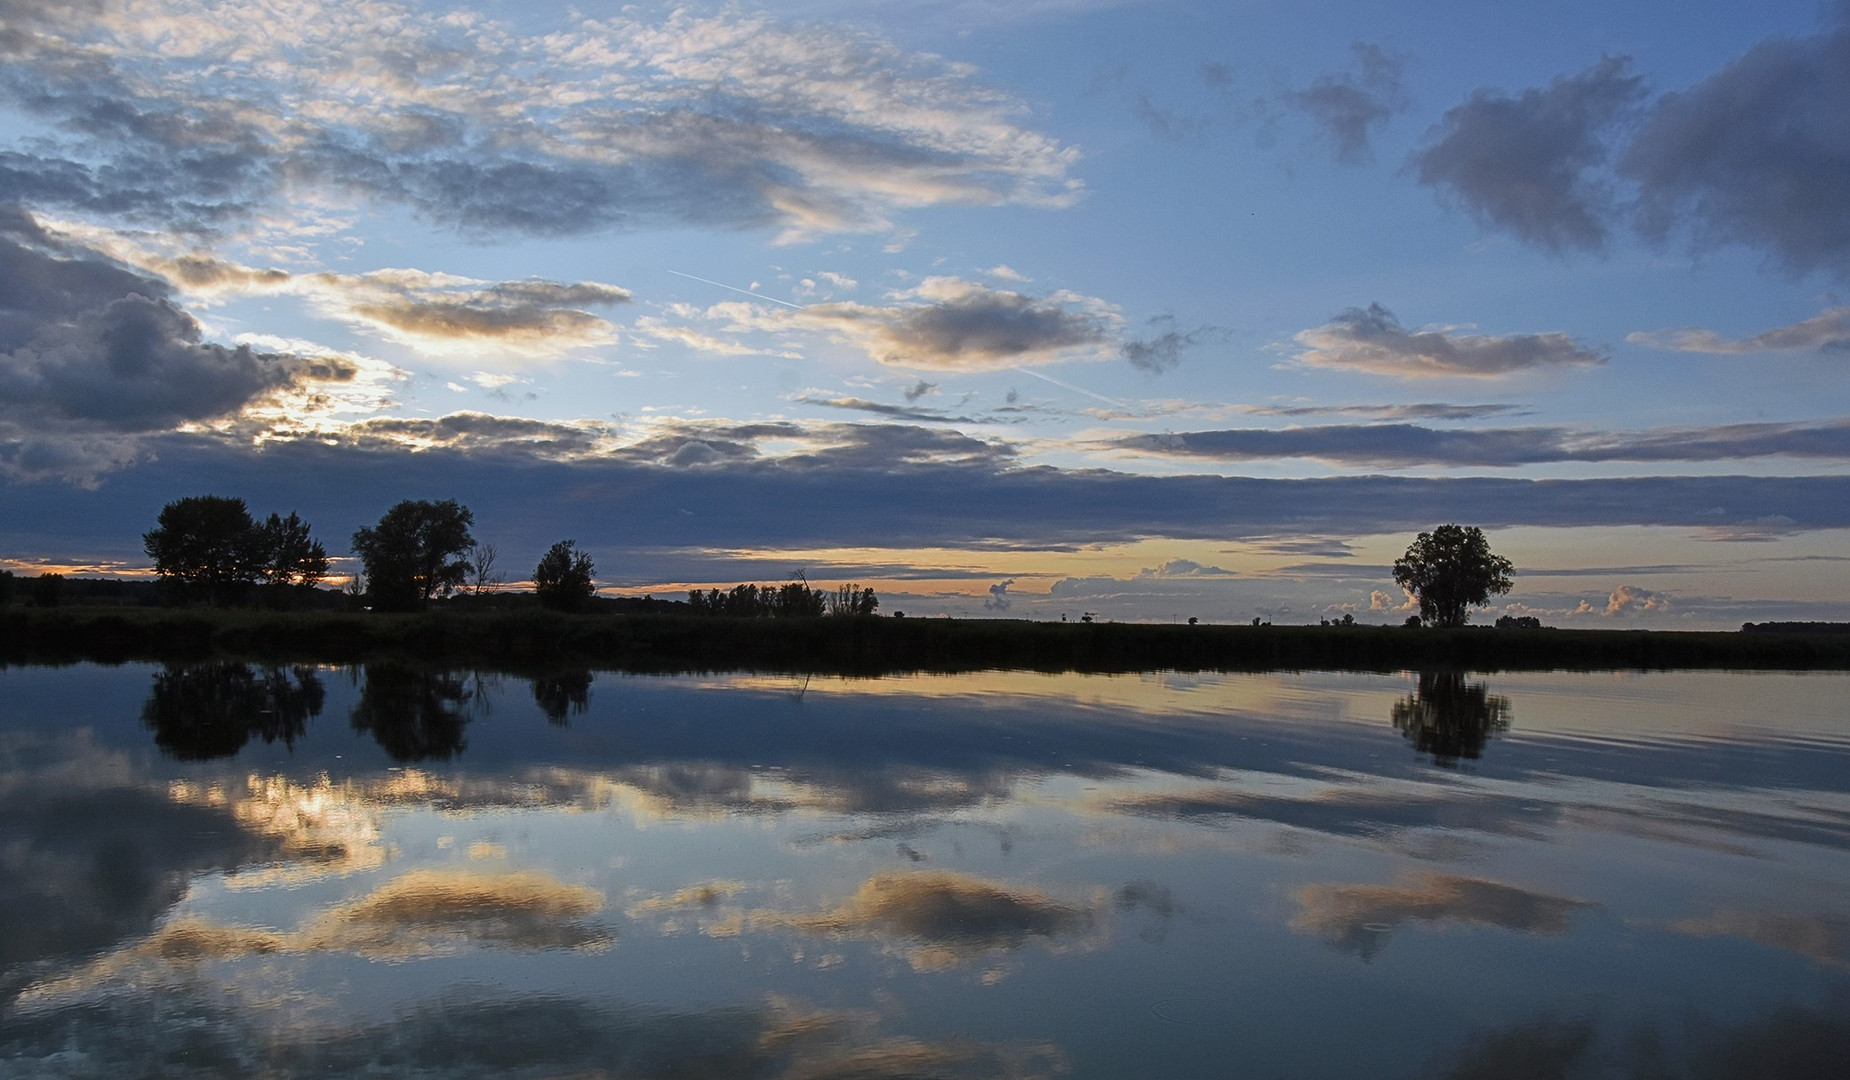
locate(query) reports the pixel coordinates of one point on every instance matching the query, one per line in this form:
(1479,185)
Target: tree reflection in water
(562,694)
(414,715)
(210,711)
(1450,718)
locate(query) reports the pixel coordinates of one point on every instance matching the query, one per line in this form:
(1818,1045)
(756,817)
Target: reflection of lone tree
(415,552)
(562,694)
(212,710)
(563,578)
(1449,569)
(411,714)
(1450,718)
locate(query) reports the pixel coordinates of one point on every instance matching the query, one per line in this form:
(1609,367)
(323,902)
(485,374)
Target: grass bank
(677,642)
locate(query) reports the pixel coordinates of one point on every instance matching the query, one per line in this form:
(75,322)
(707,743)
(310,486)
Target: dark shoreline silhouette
(865,645)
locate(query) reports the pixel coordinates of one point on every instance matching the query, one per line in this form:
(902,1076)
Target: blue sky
(1147,309)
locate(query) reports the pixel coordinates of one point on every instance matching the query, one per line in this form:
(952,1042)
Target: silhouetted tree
(413,715)
(563,578)
(853,600)
(212,710)
(415,553)
(6,587)
(288,555)
(1449,569)
(483,577)
(1450,718)
(205,543)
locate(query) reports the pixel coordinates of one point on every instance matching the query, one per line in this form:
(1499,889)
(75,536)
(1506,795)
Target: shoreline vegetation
(671,640)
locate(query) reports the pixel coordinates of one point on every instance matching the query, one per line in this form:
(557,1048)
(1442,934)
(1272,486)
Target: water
(244,871)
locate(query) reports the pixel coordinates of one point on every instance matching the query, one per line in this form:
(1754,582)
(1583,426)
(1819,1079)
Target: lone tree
(1449,569)
(287,554)
(563,577)
(415,552)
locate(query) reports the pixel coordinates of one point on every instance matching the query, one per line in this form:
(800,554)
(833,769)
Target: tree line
(209,548)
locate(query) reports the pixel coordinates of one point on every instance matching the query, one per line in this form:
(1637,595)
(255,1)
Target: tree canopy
(415,552)
(563,578)
(210,543)
(1450,569)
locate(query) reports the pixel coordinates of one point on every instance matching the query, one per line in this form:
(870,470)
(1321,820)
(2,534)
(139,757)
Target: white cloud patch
(733,118)
(1371,339)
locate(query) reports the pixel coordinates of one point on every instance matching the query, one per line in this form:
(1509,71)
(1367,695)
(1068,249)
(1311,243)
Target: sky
(1139,308)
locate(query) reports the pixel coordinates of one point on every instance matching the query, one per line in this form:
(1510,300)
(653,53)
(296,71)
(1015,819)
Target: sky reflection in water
(239,870)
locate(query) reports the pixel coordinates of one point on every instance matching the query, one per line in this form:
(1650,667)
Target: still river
(246,871)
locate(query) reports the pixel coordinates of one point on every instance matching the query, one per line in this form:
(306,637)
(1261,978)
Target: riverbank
(677,642)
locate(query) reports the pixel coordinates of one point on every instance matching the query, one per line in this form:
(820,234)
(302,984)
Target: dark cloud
(90,351)
(1348,106)
(955,325)
(1371,339)
(880,487)
(1163,350)
(1756,154)
(1401,445)
(1529,163)
(920,389)
(897,412)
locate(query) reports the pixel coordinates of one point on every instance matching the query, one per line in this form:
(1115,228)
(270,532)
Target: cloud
(954,325)
(947,919)
(167,113)
(1756,154)
(1177,577)
(998,596)
(1371,339)
(1348,106)
(92,353)
(1358,918)
(1429,411)
(1630,599)
(1828,331)
(1528,163)
(1823,938)
(1163,351)
(897,412)
(1005,272)
(920,389)
(433,313)
(1406,445)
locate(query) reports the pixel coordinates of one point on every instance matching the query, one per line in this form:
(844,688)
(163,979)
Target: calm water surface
(278,872)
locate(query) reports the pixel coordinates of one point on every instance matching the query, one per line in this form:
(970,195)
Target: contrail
(1075,389)
(747,292)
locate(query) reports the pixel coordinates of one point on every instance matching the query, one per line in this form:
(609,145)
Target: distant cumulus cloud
(1371,339)
(948,324)
(1829,331)
(1349,106)
(999,596)
(166,111)
(1529,163)
(1630,599)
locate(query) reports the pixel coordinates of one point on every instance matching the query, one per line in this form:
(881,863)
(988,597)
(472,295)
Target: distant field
(680,642)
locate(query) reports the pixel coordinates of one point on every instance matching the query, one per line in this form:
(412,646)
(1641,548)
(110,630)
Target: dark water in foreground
(242,871)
